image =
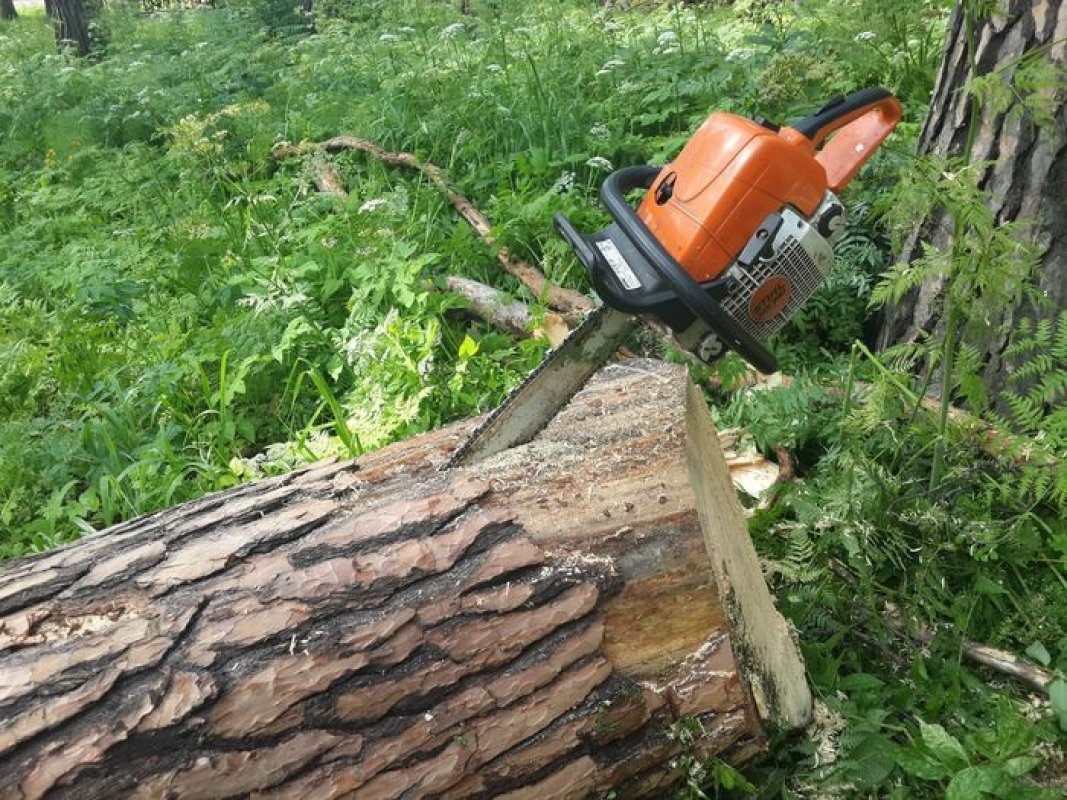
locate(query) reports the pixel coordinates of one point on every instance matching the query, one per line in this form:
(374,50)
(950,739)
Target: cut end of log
(764,639)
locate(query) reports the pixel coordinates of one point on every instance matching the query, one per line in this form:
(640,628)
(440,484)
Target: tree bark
(7,9)
(72,24)
(535,625)
(1026,174)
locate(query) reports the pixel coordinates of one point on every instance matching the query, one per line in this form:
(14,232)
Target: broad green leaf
(468,348)
(922,764)
(1057,694)
(945,747)
(860,682)
(1039,653)
(973,783)
(1020,765)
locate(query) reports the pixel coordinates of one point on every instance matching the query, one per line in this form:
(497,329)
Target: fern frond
(1053,386)
(1035,367)
(1059,340)
(1026,413)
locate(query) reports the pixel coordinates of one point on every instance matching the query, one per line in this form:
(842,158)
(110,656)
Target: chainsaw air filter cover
(734,235)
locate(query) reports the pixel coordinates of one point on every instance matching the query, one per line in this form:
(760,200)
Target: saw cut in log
(541,624)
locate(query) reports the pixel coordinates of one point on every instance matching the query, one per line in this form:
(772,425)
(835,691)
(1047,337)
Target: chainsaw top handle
(692,296)
(858,122)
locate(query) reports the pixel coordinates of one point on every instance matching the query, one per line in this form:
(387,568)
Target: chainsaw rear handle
(700,304)
(856,125)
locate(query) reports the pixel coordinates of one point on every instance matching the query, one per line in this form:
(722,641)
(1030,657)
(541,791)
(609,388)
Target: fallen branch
(786,474)
(996,659)
(992,657)
(506,313)
(327,179)
(573,305)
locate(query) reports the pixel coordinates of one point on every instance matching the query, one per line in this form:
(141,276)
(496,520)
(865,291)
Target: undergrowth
(181,311)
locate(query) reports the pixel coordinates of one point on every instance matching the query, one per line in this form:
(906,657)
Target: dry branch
(506,313)
(994,658)
(327,178)
(574,305)
(531,626)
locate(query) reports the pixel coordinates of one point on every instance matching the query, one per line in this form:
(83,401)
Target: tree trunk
(544,623)
(72,24)
(7,9)
(1027,172)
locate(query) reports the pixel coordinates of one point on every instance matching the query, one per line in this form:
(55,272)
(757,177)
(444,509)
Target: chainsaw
(729,241)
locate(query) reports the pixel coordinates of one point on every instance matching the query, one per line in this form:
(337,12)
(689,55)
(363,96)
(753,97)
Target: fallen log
(537,625)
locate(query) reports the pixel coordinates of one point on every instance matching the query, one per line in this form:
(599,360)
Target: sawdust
(539,457)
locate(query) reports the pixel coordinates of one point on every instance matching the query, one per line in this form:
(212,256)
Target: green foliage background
(180,311)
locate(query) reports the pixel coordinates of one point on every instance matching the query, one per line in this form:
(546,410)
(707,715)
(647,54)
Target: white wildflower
(453,30)
(494,68)
(599,162)
(667,39)
(600,131)
(293,299)
(865,36)
(666,43)
(257,302)
(388,37)
(564,182)
(373,205)
(609,66)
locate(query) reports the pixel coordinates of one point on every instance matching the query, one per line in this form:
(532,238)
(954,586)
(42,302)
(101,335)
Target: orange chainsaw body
(734,172)
(737,233)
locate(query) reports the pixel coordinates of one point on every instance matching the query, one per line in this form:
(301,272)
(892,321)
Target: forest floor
(181,311)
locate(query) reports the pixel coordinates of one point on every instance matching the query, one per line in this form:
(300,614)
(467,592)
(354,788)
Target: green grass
(180,312)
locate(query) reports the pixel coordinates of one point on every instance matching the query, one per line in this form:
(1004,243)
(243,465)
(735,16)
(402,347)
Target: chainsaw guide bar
(534,402)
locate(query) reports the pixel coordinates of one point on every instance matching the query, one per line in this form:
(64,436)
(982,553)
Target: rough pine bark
(72,24)
(1026,176)
(535,625)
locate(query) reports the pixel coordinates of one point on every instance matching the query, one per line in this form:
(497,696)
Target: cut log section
(539,625)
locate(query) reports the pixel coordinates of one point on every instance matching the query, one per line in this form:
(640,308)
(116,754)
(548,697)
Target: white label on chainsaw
(618,265)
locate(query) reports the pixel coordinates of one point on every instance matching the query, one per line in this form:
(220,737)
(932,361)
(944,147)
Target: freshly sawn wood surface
(541,624)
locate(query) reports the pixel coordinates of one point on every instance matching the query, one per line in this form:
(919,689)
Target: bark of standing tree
(7,9)
(72,24)
(535,625)
(1026,177)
